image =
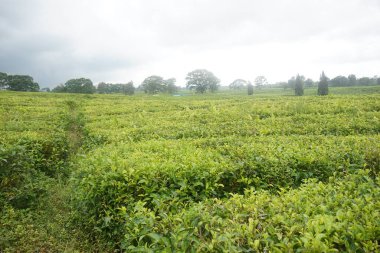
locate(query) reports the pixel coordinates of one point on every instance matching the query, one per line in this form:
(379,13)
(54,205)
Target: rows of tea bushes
(220,173)
(341,215)
(168,163)
(38,135)
(138,119)
(33,146)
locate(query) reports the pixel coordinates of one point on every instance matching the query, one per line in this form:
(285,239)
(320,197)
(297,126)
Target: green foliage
(317,217)
(163,157)
(238,84)
(109,88)
(352,80)
(156,84)
(18,82)
(3,79)
(339,81)
(202,80)
(78,85)
(260,81)
(250,89)
(170,86)
(35,148)
(299,86)
(309,82)
(323,85)
(212,173)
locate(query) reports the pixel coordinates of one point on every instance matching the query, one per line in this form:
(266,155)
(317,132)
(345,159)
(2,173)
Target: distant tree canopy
(339,81)
(18,82)
(299,85)
(108,88)
(3,79)
(169,86)
(202,80)
(309,82)
(260,81)
(351,80)
(79,85)
(250,88)
(238,84)
(155,84)
(323,85)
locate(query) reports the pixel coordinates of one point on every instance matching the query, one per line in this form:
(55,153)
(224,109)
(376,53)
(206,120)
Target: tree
(364,81)
(202,80)
(3,80)
(250,88)
(153,84)
(292,82)
(260,81)
(298,86)
(21,83)
(352,80)
(59,88)
(104,88)
(128,88)
(339,81)
(323,85)
(309,82)
(170,86)
(238,84)
(79,85)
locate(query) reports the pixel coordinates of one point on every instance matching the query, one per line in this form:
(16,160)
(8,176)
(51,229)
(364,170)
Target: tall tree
(3,79)
(250,88)
(364,81)
(22,83)
(323,85)
(170,86)
(79,85)
(153,84)
(104,88)
(339,81)
(238,84)
(128,88)
(299,86)
(309,82)
(202,80)
(260,81)
(352,80)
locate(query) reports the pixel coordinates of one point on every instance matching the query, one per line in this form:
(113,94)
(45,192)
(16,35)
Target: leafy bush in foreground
(169,176)
(341,215)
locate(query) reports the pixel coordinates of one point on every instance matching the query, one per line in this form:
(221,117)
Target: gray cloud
(119,40)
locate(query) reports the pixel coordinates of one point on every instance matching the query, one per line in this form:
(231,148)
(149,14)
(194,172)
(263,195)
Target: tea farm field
(221,172)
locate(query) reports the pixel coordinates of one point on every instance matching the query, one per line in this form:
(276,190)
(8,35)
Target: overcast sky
(123,40)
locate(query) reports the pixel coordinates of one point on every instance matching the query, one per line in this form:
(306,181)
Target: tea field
(222,172)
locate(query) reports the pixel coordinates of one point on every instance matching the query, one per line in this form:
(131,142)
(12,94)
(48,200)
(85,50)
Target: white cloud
(118,41)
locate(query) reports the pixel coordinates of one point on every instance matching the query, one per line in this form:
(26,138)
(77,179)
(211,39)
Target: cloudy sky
(123,40)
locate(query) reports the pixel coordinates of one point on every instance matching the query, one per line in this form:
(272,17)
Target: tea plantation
(223,172)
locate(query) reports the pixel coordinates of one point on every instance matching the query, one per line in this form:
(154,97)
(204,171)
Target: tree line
(199,80)
(18,82)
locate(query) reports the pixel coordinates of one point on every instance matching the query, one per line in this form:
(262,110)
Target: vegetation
(156,84)
(78,85)
(323,85)
(250,89)
(202,80)
(299,86)
(238,84)
(109,88)
(214,173)
(18,82)
(260,81)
